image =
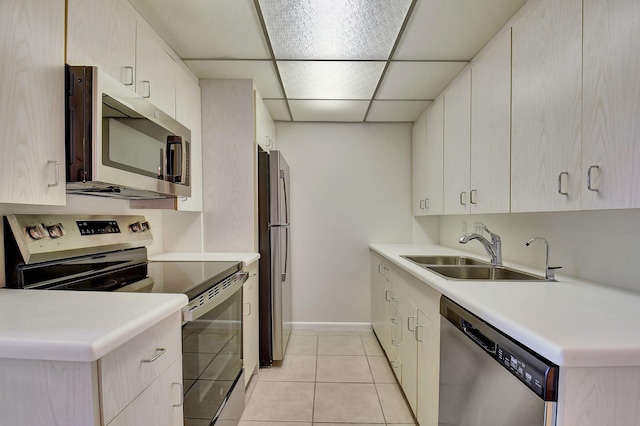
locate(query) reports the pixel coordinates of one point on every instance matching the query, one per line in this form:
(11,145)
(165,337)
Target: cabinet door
(491,127)
(408,350)
(428,337)
(547,107)
(435,140)
(419,166)
(188,113)
(156,72)
(457,140)
(377,296)
(265,128)
(31,104)
(250,299)
(102,33)
(611,127)
(159,405)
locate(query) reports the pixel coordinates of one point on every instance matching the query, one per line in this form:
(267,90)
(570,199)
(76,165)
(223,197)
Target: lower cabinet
(138,383)
(250,299)
(405,316)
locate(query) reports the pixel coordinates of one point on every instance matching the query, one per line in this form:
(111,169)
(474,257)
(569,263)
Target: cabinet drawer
(159,405)
(124,374)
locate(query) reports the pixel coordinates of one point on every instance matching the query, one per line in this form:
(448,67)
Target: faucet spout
(493,248)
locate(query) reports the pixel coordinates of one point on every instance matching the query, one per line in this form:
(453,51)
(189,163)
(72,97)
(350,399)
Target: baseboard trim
(360,326)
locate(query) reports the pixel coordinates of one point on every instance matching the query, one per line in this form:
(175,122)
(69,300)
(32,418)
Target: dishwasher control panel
(528,374)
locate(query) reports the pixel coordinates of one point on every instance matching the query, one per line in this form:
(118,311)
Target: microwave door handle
(161,165)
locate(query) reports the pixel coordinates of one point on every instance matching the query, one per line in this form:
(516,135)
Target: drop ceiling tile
(278,109)
(261,72)
(417,80)
(403,111)
(330,79)
(208,29)
(453,29)
(333,29)
(328,110)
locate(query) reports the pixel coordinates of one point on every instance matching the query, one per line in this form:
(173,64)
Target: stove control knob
(56,231)
(145,226)
(36,232)
(135,227)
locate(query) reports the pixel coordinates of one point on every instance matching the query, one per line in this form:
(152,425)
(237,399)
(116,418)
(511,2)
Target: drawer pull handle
(395,321)
(415,332)
(159,353)
(395,299)
(248,310)
(181,394)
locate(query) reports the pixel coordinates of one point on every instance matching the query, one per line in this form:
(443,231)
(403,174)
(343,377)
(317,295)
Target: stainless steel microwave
(118,144)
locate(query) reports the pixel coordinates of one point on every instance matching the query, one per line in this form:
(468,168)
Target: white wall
(350,186)
(601,246)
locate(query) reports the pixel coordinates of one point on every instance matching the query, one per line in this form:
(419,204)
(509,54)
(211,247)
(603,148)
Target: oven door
(212,364)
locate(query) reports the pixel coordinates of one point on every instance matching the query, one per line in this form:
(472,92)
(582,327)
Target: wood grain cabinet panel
(250,323)
(611,103)
(419,166)
(32,102)
(547,106)
(434,152)
(102,33)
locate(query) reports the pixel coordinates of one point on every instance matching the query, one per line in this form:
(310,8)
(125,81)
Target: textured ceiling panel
(404,111)
(319,110)
(330,79)
(453,29)
(207,29)
(417,80)
(333,29)
(262,73)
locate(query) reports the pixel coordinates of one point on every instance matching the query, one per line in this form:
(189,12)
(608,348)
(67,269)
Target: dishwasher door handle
(477,336)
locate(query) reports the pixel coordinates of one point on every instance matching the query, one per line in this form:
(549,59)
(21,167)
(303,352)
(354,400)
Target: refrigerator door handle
(286,201)
(286,255)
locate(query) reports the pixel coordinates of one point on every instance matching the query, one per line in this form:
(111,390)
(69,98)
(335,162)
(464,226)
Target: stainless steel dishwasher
(489,379)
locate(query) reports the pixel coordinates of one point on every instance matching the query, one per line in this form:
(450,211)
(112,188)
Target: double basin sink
(468,268)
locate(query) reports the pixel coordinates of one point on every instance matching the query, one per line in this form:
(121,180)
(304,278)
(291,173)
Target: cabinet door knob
(421,204)
(147,83)
(472,196)
(560,191)
(57,167)
(409,323)
(181,394)
(127,76)
(248,310)
(415,332)
(589,186)
(463,196)
(159,353)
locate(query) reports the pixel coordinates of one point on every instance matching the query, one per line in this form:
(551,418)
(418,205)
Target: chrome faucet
(549,272)
(493,248)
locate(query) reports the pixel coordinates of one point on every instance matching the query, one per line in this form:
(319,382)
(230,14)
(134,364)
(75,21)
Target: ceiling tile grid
(331,60)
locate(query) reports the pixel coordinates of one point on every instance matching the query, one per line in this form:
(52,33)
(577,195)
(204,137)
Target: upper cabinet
(457,140)
(547,106)
(265,128)
(156,72)
(32,102)
(419,165)
(434,162)
(611,101)
(491,127)
(102,33)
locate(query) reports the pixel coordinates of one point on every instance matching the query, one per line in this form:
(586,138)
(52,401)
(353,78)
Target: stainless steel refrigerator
(275,256)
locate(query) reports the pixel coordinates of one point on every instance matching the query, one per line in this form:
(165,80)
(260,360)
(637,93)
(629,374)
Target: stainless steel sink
(444,260)
(489,273)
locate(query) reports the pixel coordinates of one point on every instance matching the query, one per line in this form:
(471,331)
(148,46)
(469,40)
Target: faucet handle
(494,237)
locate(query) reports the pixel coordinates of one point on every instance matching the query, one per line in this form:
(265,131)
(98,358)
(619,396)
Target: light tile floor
(329,377)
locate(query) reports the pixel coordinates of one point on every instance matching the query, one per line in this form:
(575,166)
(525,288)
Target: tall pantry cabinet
(32,102)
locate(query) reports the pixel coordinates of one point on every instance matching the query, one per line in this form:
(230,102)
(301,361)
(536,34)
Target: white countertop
(76,325)
(572,322)
(246,258)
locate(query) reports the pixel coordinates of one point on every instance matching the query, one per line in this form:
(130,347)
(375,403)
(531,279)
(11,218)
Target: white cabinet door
(265,128)
(428,337)
(32,102)
(408,350)
(611,102)
(377,295)
(161,404)
(102,33)
(188,113)
(547,107)
(156,72)
(250,324)
(491,127)
(419,166)
(435,140)
(457,145)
